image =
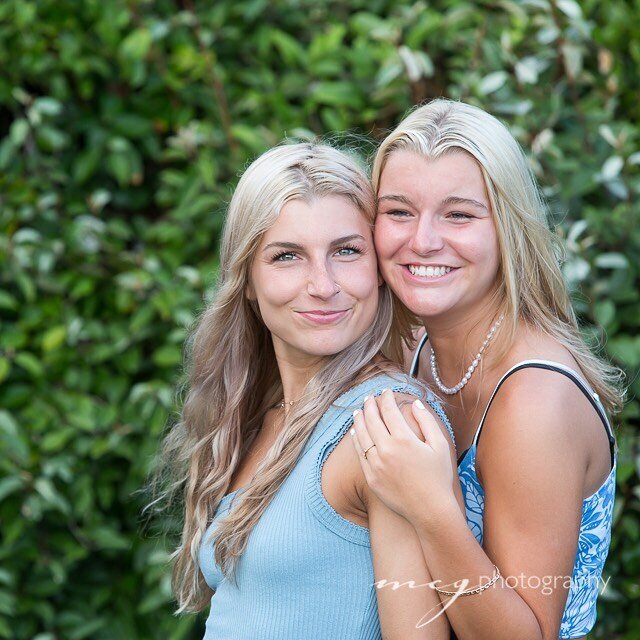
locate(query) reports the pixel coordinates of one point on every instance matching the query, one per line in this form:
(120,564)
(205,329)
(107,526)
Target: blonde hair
(233,374)
(531,284)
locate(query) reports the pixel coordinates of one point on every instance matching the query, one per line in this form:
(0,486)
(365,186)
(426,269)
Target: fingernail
(352,432)
(356,412)
(419,404)
(366,398)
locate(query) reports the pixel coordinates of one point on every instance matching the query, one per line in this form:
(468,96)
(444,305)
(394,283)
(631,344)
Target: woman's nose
(321,282)
(427,237)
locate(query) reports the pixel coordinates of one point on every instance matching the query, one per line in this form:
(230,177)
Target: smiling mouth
(422,271)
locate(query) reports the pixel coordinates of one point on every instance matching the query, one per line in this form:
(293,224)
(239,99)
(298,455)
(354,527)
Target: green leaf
(54,338)
(5,368)
(11,438)
(570,8)
(48,106)
(30,363)
(167,356)
(56,440)
(108,539)
(19,132)
(51,495)
(492,82)
(7,301)
(289,48)
(612,261)
(136,45)
(626,350)
(51,139)
(119,166)
(10,485)
(612,167)
(604,312)
(335,94)
(88,629)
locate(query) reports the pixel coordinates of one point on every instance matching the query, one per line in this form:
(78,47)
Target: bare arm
(408,606)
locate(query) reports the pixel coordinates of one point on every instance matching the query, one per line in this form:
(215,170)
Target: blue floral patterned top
(597,511)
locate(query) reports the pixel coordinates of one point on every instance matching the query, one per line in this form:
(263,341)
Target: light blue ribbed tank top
(306,572)
(580,612)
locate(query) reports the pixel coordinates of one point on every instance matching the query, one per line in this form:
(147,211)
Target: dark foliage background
(123,127)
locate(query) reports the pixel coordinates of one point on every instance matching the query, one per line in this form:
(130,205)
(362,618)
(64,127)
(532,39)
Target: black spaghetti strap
(592,397)
(415,363)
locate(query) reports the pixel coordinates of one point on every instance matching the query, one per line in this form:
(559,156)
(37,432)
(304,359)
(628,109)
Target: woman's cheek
(280,286)
(389,240)
(381,237)
(360,279)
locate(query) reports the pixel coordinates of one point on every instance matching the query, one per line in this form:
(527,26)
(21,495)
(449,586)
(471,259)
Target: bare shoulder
(537,390)
(533,344)
(532,395)
(537,419)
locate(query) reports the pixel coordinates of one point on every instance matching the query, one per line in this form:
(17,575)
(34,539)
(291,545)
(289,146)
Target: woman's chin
(321,348)
(426,307)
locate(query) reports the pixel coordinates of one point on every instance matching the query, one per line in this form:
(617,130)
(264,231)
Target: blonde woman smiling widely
(462,241)
(282,535)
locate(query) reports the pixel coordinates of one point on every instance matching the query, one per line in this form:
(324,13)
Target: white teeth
(428,272)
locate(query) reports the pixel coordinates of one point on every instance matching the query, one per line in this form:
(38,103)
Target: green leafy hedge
(123,127)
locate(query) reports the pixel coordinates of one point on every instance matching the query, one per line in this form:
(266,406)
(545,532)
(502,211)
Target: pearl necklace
(467,376)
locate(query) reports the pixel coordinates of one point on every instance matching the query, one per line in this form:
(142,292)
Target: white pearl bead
(470,370)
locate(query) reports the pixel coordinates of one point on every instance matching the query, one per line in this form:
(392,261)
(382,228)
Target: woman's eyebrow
(461,200)
(292,246)
(395,197)
(283,245)
(353,236)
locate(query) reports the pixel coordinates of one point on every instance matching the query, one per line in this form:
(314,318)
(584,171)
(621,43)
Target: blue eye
(348,251)
(460,215)
(285,256)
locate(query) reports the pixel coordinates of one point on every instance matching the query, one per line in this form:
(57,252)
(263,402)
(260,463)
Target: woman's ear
(249,292)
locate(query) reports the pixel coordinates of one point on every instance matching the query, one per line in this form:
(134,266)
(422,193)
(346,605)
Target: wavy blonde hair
(531,284)
(233,374)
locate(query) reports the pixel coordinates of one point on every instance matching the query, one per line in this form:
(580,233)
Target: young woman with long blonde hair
(463,242)
(282,535)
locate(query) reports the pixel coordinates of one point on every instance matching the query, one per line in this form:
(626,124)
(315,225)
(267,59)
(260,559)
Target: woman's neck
(457,342)
(295,373)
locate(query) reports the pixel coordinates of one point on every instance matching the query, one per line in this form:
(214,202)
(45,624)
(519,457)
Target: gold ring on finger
(367,449)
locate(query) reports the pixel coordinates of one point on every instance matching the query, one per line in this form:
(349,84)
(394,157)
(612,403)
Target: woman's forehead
(410,175)
(319,219)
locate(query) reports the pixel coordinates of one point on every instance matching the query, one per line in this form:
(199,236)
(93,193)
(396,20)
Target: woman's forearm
(453,554)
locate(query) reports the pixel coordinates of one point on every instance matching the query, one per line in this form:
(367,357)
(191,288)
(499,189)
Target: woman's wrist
(439,517)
